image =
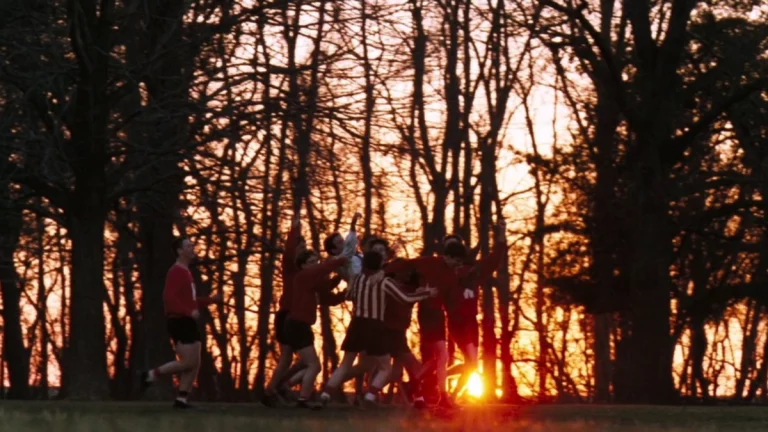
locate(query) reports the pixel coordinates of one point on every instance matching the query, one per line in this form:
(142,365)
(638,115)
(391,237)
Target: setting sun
(475,386)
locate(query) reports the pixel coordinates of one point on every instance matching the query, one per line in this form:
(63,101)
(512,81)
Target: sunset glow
(475,385)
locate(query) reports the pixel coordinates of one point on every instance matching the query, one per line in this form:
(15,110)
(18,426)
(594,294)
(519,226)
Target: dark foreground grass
(141,417)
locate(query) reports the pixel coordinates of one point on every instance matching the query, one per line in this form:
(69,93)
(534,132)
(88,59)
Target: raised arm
(391,288)
(289,255)
(484,268)
(332,299)
(350,242)
(403,265)
(322,270)
(325,292)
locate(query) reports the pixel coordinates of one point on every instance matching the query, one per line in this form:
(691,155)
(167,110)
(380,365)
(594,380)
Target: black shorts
(183,330)
(464,331)
(366,335)
(297,334)
(280,318)
(431,324)
(398,342)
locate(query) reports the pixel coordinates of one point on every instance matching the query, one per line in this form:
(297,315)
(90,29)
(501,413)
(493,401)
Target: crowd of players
(382,289)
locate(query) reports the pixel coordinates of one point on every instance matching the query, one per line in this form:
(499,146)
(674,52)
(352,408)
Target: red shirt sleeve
(322,270)
(405,265)
(203,301)
(289,255)
(485,268)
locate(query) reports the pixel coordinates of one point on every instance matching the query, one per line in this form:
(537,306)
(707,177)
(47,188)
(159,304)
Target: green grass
(150,417)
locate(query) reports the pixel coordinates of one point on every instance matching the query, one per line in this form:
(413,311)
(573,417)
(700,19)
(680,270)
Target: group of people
(382,289)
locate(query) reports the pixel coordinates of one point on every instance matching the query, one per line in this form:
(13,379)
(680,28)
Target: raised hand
(218,298)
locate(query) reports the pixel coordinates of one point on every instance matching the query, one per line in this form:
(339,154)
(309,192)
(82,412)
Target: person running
(440,271)
(397,320)
(297,330)
(461,307)
(294,244)
(182,312)
(366,333)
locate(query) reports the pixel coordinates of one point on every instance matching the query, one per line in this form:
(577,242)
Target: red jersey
(289,269)
(398,314)
(434,272)
(179,297)
(326,296)
(306,284)
(472,277)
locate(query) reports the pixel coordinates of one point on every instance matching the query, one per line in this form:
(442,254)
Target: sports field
(140,417)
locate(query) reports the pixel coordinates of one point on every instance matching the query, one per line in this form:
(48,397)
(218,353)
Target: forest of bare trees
(625,143)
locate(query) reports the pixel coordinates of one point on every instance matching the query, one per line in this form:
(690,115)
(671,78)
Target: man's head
(454,254)
(333,244)
(452,238)
(381,247)
(372,261)
(184,249)
(409,277)
(306,259)
(366,242)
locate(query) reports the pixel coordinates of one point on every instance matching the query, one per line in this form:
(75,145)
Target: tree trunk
(370,103)
(157,257)
(268,215)
(604,232)
(15,355)
(87,361)
(650,284)
(488,324)
(42,307)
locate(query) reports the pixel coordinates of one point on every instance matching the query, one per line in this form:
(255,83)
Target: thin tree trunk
(15,355)
(370,103)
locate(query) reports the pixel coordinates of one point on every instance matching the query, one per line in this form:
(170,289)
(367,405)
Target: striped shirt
(369,293)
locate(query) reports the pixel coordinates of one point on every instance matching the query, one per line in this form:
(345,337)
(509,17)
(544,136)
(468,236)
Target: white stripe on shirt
(369,295)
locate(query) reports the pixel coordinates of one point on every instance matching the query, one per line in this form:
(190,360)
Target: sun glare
(475,385)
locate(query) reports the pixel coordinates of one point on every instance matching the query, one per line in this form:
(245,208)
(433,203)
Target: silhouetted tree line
(626,143)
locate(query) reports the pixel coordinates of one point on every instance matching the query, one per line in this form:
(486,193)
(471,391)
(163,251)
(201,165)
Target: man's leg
(339,376)
(363,368)
(282,369)
(295,369)
(397,371)
(296,379)
(308,356)
(183,363)
(190,354)
(468,368)
(270,393)
(383,370)
(441,357)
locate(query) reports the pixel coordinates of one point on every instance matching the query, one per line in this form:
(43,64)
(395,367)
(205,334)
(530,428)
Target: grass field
(150,417)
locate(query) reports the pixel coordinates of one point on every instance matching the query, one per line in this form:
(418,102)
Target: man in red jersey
(461,307)
(294,244)
(444,272)
(297,330)
(439,271)
(181,309)
(397,319)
